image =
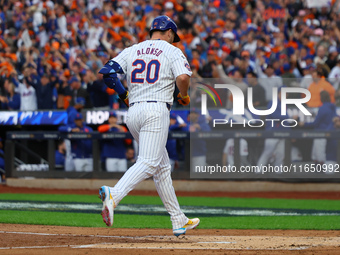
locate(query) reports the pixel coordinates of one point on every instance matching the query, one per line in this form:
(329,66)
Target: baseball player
(152,67)
(196,123)
(81,148)
(323,121)
(171,144)
(228,152)
(113,150)
(60,154)
(273,147)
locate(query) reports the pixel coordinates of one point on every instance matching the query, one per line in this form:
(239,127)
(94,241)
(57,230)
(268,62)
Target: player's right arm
(181,70)
(182,82)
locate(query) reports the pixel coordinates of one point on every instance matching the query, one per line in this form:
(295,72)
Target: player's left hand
(183,100)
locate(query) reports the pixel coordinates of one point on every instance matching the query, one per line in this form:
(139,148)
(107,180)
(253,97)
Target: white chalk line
(102,236)
(218,242)
(49,234)
(34,247)
(110,246)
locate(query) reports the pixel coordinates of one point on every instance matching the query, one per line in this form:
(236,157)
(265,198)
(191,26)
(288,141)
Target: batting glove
(183,100)
(125,98)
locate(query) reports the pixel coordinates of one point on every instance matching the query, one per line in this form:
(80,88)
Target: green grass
(316,204)
(154,221)
(144,221)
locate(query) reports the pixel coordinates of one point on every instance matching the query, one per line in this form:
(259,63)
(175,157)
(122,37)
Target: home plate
(219,242)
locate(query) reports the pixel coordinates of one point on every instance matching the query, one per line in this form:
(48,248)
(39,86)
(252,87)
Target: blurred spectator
(94,63)
(323,122)
(235,79)
(259,94)
(251,44)
(267,79)
(199,146)
(227,64)
(94,32)
(28,98)
(321,56)
(319,84)
(44,89)
(332,148)
(130,156)
(307,78)
(334,76)
(81,148)
(80,98)
(171,144)
(206,71)
(246,64)
(228,153)
(332,57)
(60,154)
(230,42)
(99,93)
(113,150)
(2,162)
(71,114)
(11,101)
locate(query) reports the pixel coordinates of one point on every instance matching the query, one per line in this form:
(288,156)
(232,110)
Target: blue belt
(167,104)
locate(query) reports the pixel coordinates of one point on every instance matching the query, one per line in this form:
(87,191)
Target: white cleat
(192,223)
(108,205)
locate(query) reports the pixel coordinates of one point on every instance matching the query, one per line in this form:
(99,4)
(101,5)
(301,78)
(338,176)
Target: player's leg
(111,165)
(105,192)
(269,147)
(172,164)
(78,164)
(122,165)
(88,164)
(295,154)
(149,124)
(69,162)
(198,161)
(166,192)
(319,150)
(279,153)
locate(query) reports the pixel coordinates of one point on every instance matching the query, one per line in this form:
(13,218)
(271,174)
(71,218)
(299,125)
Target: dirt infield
(29,239)
(32,239)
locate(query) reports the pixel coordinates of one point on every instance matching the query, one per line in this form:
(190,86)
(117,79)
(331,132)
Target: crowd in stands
(51,51)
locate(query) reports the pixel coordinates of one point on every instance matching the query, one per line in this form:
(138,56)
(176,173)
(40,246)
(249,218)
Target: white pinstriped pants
(149,125)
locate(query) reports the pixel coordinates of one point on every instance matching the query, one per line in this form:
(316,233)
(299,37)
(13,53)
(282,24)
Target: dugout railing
(17,151)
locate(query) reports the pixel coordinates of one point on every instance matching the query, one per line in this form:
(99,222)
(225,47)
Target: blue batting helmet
(163,23)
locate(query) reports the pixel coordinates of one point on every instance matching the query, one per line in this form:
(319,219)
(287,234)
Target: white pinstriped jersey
(28,98)
(151,68)
(229,150)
